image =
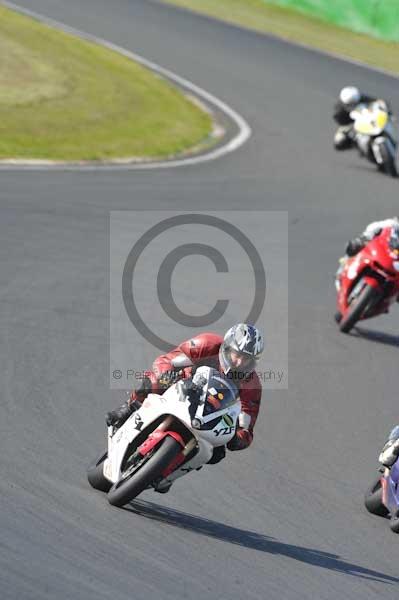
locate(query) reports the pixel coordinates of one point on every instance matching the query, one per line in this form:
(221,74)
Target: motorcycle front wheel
(394,524)
(357,308)
(95,474)
(373,499)
(138,476)
(388,161)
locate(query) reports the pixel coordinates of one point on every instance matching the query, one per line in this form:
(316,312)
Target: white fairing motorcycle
(375,135)
(169,436)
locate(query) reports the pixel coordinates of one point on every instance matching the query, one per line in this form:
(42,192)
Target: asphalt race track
(284,519)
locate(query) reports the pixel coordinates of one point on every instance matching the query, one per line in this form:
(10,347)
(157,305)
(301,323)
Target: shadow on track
(253,540)
(368,167)
(377,336)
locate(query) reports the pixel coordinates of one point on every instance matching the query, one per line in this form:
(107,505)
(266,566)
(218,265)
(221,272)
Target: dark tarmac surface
(284,519)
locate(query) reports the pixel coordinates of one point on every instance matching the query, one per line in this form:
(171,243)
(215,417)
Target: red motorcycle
(368,283)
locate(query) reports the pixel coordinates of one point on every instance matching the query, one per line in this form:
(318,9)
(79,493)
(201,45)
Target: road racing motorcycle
(375,136)
(169,436)
(382,497)
(368,283)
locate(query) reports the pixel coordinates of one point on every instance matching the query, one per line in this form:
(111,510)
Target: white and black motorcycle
(375,135)
(169,436)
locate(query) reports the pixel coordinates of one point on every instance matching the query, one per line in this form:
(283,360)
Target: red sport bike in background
(368,283)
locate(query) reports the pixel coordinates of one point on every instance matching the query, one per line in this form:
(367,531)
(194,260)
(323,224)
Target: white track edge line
(244,130)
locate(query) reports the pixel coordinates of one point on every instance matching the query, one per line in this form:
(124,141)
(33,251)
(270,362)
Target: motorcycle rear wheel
(151,467)
(373,499)
(357,308)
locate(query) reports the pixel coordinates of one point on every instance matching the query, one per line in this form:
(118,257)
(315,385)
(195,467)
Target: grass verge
(64,98)
(295,27)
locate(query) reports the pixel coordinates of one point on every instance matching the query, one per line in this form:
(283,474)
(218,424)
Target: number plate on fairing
(396,265)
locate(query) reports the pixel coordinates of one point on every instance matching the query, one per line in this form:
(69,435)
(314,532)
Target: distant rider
(235,355)
(390,451)
(349,98)
(373,230)
(358,243)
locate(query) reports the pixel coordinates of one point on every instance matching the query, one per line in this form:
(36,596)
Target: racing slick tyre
(95,474)
(357,308)
(389,161)
(394,524)
(138,476)
(373,499)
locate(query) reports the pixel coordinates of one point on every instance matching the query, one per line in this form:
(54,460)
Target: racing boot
(343,138)
(117,417)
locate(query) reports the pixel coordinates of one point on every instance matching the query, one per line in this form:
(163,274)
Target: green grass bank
(63,98)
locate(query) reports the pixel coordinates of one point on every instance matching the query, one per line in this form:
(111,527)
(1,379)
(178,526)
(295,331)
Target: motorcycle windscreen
(221,393)
(394,435)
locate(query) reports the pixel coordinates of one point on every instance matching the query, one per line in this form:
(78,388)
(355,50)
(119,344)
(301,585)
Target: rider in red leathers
(234,355)
(355,245)
(373,230)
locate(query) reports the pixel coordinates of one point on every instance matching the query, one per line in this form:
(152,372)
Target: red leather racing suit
(201,350)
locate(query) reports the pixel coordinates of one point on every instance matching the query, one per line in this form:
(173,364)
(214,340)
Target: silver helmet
(350,96)
(241,348)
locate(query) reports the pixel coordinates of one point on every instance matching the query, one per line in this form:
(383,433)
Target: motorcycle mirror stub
(180,385)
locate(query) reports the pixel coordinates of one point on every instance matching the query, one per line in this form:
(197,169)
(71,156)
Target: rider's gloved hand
(192,389)
(168,378)
(240,441)
(141,392)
